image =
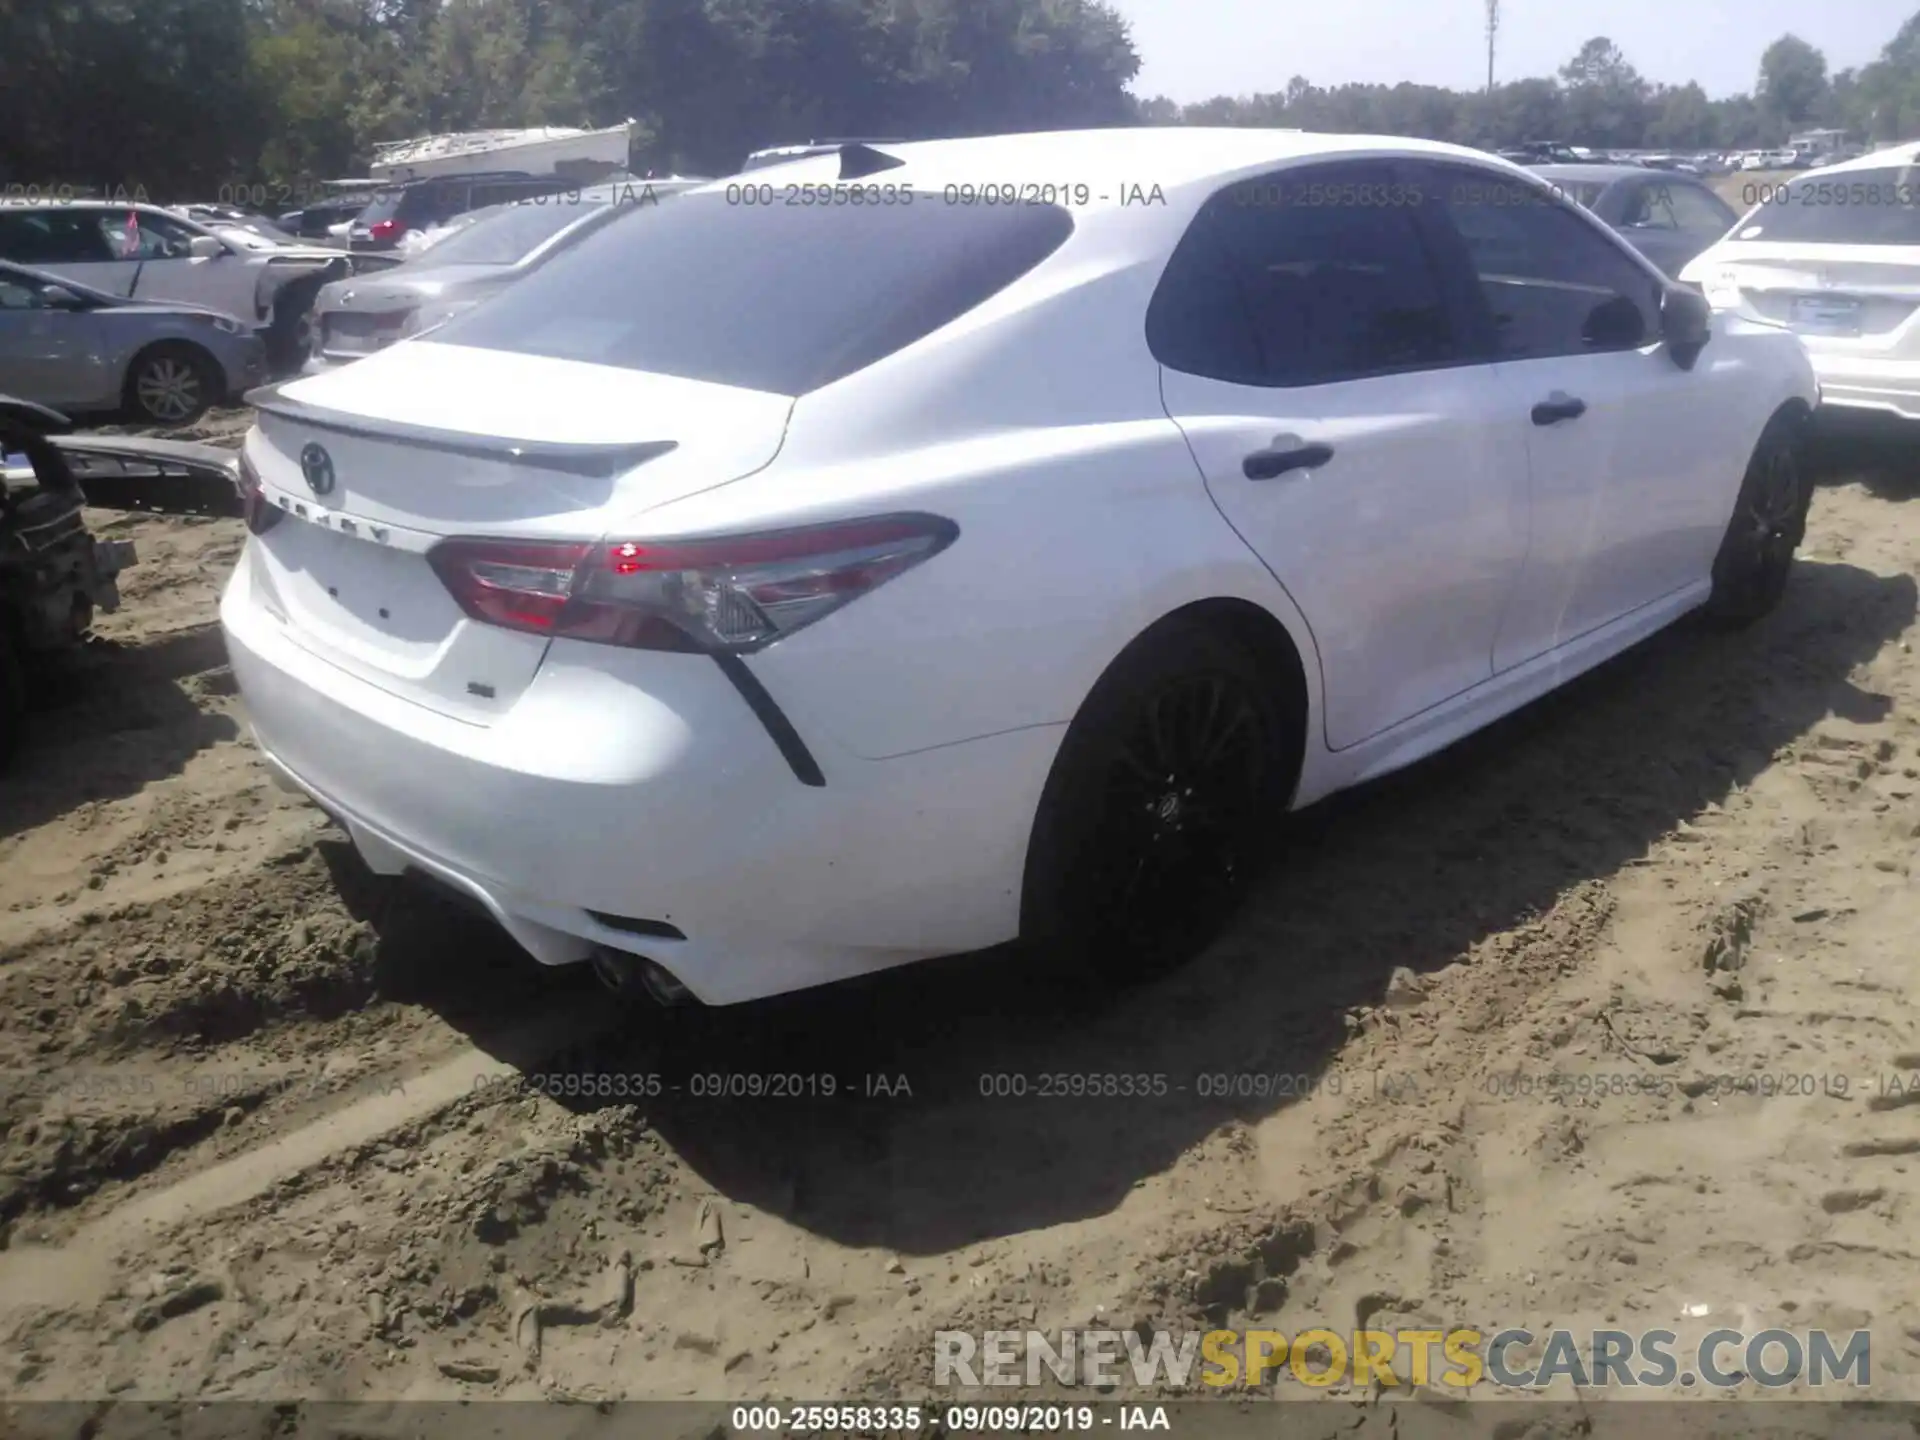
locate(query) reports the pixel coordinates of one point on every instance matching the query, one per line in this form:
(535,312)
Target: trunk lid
(1843,298)
(363,314)
(374,463)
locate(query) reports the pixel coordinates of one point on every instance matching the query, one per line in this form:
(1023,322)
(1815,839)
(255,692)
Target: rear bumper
(667,803)
(1855,383)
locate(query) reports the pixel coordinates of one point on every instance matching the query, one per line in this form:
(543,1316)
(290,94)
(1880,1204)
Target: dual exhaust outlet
(631,976)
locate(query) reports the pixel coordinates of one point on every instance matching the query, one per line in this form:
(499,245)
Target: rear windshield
(506,234)
(778,298)
(1854,207)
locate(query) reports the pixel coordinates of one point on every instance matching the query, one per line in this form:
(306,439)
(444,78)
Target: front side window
(1304,277)
(764,297)
(1553,284)
(145,235)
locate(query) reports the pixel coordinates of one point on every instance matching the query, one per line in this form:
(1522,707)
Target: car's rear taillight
(387,229)
(734,594)
(260,514)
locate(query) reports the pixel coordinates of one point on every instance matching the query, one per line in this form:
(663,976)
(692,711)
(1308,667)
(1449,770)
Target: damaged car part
(54,575)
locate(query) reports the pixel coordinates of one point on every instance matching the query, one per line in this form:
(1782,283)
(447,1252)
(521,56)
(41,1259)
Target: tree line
(185,99)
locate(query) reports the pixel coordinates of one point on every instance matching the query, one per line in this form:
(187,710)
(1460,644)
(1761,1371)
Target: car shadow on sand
(105,722)
(932,1153)
(1879,452)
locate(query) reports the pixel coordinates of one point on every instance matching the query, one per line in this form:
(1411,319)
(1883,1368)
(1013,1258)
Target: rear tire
(1769,521)
(171,383)
(1161,807)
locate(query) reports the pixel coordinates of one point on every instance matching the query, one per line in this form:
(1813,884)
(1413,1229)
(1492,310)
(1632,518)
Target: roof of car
(1120,159)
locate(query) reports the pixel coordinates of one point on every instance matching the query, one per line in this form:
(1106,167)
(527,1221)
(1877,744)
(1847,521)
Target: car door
(49,354)
(1627,500)
(1316,359)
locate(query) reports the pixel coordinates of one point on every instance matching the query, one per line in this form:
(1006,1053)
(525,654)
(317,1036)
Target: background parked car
(148,253)
(1831,254)
(495,247)
(79,350)
(224,219)
(1667,215)
(397,210)
(321,219)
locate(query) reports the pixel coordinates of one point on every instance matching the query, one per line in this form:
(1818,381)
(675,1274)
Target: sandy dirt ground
(272,1128)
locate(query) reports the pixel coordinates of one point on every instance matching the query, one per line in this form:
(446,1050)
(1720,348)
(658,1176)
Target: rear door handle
(1287,453)
(1557,407)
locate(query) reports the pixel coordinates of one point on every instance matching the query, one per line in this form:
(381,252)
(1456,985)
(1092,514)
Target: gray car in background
(79,350)
(1666,215)
(353,318)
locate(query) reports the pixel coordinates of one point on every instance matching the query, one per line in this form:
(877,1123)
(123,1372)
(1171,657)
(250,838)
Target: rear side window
(1304,277)
(1858,207)
(53,237)
(778,299)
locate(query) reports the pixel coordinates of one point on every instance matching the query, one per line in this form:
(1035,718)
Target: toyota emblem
(316,466)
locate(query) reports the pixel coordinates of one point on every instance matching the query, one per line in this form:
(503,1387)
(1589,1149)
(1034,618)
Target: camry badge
(316,467)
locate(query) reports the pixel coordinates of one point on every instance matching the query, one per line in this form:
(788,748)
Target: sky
(1195,49)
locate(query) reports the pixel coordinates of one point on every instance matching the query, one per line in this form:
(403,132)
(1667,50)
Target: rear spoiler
(593,461)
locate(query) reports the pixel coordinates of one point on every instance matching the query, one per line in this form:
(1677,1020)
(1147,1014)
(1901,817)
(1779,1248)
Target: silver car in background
(355,317)
(79,350)
(1667,215)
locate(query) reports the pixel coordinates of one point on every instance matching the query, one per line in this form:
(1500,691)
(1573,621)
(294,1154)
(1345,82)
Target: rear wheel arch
(1262,635)
(1219,637)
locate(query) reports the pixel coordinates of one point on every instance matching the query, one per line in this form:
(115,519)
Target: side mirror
(1686,323)
(205,247)
(57,298)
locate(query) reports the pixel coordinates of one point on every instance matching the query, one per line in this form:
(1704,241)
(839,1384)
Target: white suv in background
(144,252)
(1834,255)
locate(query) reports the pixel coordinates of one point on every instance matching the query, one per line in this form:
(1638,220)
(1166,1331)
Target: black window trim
(1600,228)
(1466,316)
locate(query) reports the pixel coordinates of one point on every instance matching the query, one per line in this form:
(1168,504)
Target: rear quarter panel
(1036,425)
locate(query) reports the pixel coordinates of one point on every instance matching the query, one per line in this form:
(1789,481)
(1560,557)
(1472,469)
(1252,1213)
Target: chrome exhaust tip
(630,976)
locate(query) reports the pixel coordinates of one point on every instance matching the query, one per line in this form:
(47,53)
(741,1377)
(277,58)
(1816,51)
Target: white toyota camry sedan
(1834,255)
(910,549)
